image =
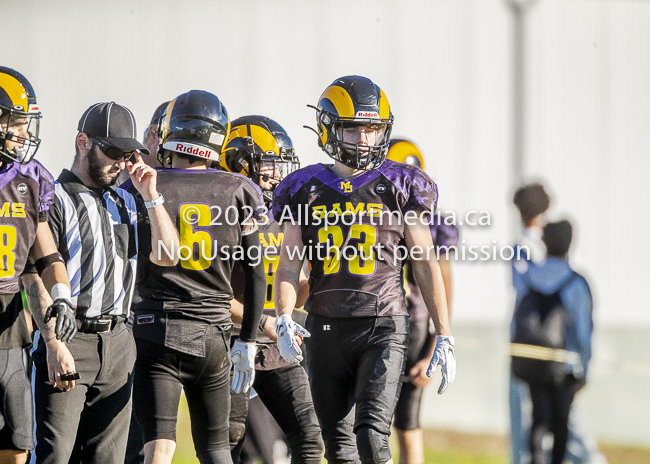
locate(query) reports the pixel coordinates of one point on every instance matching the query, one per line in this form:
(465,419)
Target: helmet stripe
(264,139)
(384,108)
(167,117)
(341,101)
(238,131)
(15,91)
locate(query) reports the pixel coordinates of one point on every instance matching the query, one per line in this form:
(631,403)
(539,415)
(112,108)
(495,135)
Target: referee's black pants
(97,411)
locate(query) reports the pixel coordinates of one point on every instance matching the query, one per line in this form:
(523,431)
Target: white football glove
(242,357)
(443,355)
(287,331)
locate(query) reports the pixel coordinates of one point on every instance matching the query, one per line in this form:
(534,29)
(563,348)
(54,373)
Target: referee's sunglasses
(112,152)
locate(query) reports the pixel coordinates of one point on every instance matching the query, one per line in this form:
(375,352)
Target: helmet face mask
(19,118)
(272,167)
(357,155)
(350,106)
(260,149)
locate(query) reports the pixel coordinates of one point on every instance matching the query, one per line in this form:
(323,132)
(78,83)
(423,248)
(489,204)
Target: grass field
(441,447)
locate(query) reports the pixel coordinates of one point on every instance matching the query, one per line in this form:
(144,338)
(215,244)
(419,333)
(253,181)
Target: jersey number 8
(8,243)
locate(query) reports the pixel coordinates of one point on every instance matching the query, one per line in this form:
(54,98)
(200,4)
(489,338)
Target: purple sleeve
(282,207)
(282,202)
(422,192)
(444,235)
(46,193)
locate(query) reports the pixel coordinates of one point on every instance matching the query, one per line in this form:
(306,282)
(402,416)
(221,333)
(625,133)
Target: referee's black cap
(112,124)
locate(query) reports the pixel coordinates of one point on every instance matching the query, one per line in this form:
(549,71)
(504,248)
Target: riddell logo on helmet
(367,114)
(190,149)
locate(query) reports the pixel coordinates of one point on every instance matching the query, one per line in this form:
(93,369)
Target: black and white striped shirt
(99,233)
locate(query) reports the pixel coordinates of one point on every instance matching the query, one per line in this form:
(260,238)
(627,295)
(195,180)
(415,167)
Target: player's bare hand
(60,362)
(444,355)
(144,178)
(418,374)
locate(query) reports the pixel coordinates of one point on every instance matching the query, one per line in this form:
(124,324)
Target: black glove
(66,323)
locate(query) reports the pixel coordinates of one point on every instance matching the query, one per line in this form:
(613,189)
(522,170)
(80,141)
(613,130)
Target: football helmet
(156,119)
(19,118)
(403,151)
(195,123)
(258,147)
(353,101)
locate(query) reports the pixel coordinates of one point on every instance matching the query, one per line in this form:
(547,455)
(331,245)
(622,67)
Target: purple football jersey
(26,192)
(356,262)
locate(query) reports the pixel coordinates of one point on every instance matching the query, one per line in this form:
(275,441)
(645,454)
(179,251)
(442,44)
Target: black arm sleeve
(255,287)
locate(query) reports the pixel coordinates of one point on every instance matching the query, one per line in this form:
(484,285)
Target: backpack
(538,346)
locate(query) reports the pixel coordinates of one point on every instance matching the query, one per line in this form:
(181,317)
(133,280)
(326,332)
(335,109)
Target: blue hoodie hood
(549,277)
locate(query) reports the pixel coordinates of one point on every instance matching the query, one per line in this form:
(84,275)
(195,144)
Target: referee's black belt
(99,324)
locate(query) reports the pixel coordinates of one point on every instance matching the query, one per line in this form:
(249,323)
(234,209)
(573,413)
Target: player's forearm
(38,300)
(431,348)
(303,290)
(46,256)
(287,276)
(164,233)
(54,274)
(285,294)
(429,279)
(445,269)
(254,291)
(236,311)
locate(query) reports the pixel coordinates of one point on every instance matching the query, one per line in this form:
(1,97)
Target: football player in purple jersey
(26,190)
(355,221)
(421,346)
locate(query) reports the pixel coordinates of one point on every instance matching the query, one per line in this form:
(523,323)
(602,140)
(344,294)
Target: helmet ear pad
(238,162)
(164,161)
(326,133)
(242,159)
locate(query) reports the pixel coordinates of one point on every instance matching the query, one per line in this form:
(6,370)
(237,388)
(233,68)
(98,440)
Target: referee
(100,231)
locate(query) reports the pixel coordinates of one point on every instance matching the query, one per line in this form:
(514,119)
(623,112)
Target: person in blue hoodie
(552,402)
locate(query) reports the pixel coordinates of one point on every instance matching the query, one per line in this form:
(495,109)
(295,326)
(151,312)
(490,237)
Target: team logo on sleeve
(346,186)
(381,188)
(22,188)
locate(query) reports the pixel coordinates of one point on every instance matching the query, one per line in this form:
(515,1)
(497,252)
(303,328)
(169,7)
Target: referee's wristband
(158,201)
(262,322)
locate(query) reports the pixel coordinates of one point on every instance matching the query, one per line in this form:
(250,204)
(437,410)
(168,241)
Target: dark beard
(99,177)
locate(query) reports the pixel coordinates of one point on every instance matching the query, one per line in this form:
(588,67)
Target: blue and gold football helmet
(259,148)
(19,118)
(350,101)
